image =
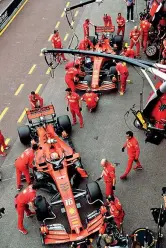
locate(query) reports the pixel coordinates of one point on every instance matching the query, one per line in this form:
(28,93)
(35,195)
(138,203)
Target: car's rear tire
(152,52)
(118,40)
(94,192)
(93,40)
(24,134)
(42,209)
(65,123)
(88,79)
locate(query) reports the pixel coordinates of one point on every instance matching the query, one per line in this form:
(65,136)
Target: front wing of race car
(56,233)
(103,88)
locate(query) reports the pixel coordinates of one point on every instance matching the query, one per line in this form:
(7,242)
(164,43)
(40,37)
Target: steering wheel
(56,164)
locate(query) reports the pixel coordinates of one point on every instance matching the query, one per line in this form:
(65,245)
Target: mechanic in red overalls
(22,202)
(91,100)
(77,61)
(36,101)
(107,20)
(128,52)
(22,164)
(116,210)
(72,76)
(85,44)
(108,174)
(74,103)
(145,27)
(3,145)
(86,27)
(121,24)
(134,39)
(133,152)
(57,43)
(123,74)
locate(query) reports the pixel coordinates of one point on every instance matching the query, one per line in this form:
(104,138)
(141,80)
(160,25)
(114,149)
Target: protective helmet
(54,156)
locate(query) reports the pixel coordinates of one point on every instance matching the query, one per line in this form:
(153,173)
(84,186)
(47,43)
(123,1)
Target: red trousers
(2,144)
(130,163)
(70,84)
(144,41)
(123,79)
(119,221)
(77,112)
(121,29)
(137,47)
(20,210)
(19,173)
(108,189)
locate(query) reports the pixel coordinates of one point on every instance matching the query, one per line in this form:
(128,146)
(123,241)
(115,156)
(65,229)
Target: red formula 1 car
(56,162)
(101,74)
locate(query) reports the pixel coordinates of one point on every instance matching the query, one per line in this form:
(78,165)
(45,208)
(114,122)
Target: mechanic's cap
(103,162)
(68,90)
(56,31)
(54,155)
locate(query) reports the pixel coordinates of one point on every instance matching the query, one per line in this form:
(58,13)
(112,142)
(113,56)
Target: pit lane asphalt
(102,136)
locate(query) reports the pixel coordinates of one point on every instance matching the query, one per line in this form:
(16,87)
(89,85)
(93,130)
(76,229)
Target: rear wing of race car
(38,112)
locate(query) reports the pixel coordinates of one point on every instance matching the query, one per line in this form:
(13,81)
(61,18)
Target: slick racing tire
(152,52)
(42,208)
(65,123)
(24,134)
(93,192)
(93,40)
(118,40)
(88,79)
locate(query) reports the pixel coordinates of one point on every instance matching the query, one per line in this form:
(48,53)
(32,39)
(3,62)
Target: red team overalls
(22,165)
(2,144)
(145,26)
(57,43)
(73,103)
(86,29)
(91,100)
(123,71)
(117,211)
(107,21)
(130,53)
(84,44)
(70,76)
(134,41)
(121,25)
(21,204)
(108,175)
(34,100)
(133,152)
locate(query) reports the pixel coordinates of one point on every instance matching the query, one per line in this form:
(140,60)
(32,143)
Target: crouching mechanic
(36,101)
(22,164)
(109,176)
(22,202)
(91,99)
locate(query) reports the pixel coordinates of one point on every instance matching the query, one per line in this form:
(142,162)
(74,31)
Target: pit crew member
(108,174)
(121,24)
(107,20)
(145,26)
(123,74)
(128,52)
(36,101)
(57,43)
(74,104)
(23,163)
(135,39)
(85,44)
(77,61)
(86,27)
(3,145)
(133,151)
(91,100)
(22,202)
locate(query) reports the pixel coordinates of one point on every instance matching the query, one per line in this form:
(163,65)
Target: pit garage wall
(9,12)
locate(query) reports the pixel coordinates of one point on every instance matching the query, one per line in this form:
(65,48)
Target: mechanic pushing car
(116,210)
(91,99)
(22,202)
(72,76)
(85,44)
(57,43)
(145,26)
(135,40)
(128,52)
(3,145)
(86,27)
(74,104)
(23,163)
(108,174)
(123,74)
(77,61)
(107,20)
(121,24)
(36,101)
(133,152)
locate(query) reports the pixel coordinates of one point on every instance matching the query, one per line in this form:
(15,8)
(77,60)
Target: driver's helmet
(54,156)
(51,141)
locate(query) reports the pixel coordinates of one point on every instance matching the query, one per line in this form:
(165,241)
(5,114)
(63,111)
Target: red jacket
(2,139)
(108,173)
(134,35)
(25,160)
(26,196)
(129,53)
(56,41)
(120,21)
(133,149)
(73,101)
(122,69)
(83,45)
(116,208)
(107,20)
(90,99)
(35,99)
(145,26)
(86,29)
